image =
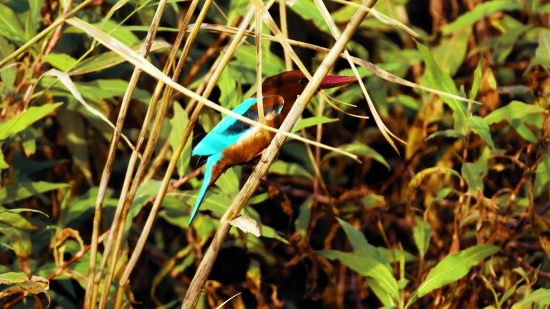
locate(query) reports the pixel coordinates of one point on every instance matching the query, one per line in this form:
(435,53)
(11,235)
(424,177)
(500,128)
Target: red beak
(331,81)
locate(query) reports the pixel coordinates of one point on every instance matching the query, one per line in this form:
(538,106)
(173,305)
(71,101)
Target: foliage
(459,219)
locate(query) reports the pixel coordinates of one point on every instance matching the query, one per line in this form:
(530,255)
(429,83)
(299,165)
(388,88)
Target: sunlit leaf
(22,190)
(480,11)
(20,283)
(360,150)
(7,72)
(481,128)
(75,137)
(440,80)
(10,27)
(62,62)
(304,216)
(541,297)
(24,119)
(110,59)
(312,121)
(289,169)
(450,54)
(543,50)
(542,176)
(179,122)
(422,234)
(455,266)
(473,177)
(228,91)
(20,241)
(366,266)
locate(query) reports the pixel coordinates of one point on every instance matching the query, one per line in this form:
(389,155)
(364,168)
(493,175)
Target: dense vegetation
(447,208)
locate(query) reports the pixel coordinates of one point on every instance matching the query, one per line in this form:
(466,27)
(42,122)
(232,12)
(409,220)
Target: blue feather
(212,160)
(217,140)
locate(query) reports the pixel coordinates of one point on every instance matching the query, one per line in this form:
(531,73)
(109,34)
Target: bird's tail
(210,162)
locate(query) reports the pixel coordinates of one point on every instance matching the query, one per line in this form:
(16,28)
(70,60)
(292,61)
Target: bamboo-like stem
(133,159)
(147,156)
(89,298)
(173,161)
(366,64)
(146,66)
(260,103)
(194,291)
(336,34)
(284,30)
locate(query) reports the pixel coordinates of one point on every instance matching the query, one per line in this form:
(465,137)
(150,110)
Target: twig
(194,291)
(515,256)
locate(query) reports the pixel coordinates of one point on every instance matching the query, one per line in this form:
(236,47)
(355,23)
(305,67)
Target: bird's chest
(248,146)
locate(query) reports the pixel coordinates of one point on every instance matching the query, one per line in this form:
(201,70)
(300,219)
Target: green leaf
(384,297)
(450,54)
(542,176)
(417,179)
(302,222)
(514,110)
(62,62)
(289,169)
(309,11)
(478,74)
(360,150)
(14,219)
(366,266)
(110,59)
(179,122)
(312,121)
(269,232)
(9,70)
(473,177)
(10,27)
(543,50)
(228,90)
(357,239)
(455,266)
(3,164)
(33,18)
(421,234)
(22,190)
(372,201)
(20,283)
(229,182)
(12,126)
(442,81)
(541,297)
(76,139)
(481,128)
(82,207)
(18,210)
(481,11)
(446,133)
(20,241)
(99,89)
(245,64)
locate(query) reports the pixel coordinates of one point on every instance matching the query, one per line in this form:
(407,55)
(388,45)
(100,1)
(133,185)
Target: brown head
(292,83)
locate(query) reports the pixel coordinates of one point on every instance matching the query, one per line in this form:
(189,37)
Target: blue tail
(210,162)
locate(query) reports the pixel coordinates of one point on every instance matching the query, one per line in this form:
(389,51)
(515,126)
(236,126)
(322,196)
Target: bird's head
(292,83)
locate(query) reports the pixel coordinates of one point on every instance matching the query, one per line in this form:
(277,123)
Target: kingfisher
(233,142)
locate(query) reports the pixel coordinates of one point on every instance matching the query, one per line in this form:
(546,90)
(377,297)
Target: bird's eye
(303,81)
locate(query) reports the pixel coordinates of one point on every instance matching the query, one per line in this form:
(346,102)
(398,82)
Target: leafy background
(458,219)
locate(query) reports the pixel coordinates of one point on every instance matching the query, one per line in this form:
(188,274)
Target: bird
(233,142)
